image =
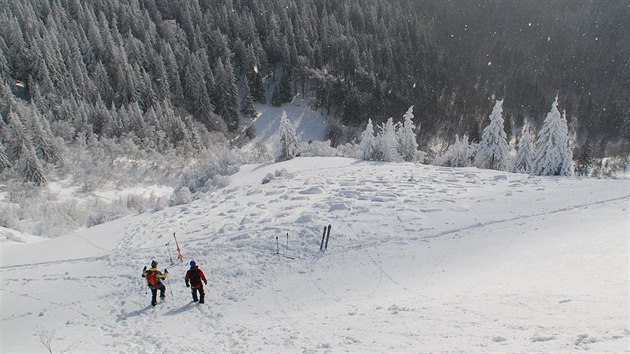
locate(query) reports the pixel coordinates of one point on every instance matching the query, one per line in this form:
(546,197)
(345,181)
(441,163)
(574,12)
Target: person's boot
(201,300)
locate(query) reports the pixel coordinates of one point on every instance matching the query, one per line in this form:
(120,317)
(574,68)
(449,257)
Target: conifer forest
(179,75)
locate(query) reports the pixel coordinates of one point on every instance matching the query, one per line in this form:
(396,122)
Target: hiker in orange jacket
(194,277)
(154,281)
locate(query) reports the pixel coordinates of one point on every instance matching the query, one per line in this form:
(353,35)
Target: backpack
(152,280)
(194,277)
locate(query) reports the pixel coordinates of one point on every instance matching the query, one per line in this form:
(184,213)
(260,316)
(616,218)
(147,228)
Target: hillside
(420,258)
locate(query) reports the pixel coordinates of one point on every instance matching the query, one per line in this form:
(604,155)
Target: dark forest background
(162,72)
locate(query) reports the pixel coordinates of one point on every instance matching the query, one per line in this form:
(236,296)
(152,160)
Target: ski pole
(327,236)
(169,253)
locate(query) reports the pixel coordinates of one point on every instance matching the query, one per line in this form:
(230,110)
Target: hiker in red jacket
(194,276)
(154,281)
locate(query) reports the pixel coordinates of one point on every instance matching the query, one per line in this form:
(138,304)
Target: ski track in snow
(359,295)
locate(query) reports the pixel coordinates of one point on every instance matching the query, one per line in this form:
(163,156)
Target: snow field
(420,258)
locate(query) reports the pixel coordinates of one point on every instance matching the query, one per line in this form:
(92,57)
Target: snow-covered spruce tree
(43,139)
(31,168)
(247,104)
(368,142)
(493,148)
(289,144)
(584,159)
(226,94)
(457,155)
(525,153)
(18,138)
(387,142)
(4,160)
(282,94)
(407,145)
(567,155)
(195,91)
(552,148)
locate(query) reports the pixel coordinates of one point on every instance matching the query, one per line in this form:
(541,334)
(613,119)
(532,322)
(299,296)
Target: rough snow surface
(420,259)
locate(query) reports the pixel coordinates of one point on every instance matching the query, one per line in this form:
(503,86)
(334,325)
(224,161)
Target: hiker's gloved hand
(145,268)
(188,285)
(205,282)
(165,271)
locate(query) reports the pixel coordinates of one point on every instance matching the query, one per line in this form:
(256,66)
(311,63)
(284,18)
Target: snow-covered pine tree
(368,142)
(493,148)
(388,143)
(457,155)
(43,139)
(567,155)
(289,144)
(232,120)
(4,129)
(525,153)
(552,146)
(584,159)
(247,104)
(407,137)
(195,91)
(226,94)
(4,160)
(18,138)
(282,94)
(31,168)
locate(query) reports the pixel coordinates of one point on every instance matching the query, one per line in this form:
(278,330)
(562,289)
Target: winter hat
(153,264)
(192,263)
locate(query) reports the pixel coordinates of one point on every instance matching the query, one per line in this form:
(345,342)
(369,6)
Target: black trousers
(161,288)
(201,293)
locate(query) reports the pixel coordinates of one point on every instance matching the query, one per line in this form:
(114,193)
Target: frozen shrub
(181,196)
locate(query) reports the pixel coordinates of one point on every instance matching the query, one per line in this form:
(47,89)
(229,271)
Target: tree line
(165,73)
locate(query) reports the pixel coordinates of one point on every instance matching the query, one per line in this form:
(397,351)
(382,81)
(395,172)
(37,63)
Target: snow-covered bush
(612,167)
(318,148)
(283,173)
(349,150)
(160,203)
(201,177)
(459,154)
(181,196)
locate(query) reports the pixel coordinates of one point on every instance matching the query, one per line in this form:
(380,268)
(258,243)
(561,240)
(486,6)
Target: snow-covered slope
(420,258)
